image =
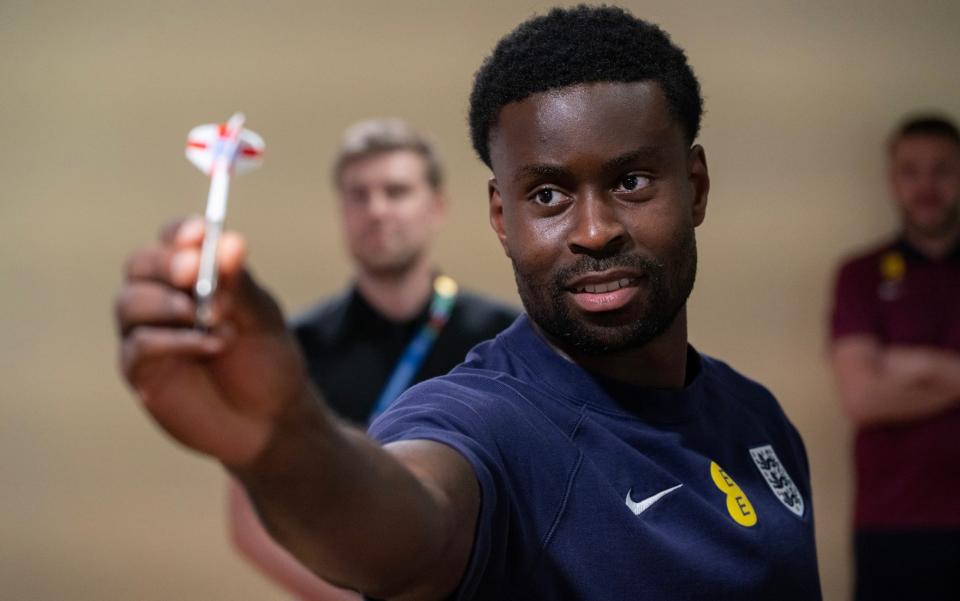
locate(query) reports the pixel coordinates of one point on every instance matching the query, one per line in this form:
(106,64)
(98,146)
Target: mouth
(927,201)
(604,292)
(602,287)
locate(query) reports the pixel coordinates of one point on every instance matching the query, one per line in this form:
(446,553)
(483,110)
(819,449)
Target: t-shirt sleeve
(447,415)
(855,308)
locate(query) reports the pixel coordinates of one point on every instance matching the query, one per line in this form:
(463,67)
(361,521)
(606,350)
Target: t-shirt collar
(911,253)
(574,383)
(359,315)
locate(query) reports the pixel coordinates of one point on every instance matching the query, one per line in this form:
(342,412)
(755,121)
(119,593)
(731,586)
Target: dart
(218,150)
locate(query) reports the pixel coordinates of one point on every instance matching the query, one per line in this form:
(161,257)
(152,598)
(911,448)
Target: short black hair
(584,44)
(926,125)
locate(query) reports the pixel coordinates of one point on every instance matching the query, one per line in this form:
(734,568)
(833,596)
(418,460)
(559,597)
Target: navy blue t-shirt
(595,490)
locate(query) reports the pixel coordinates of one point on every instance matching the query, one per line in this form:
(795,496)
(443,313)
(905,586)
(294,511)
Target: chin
(604,341)
(396,264)
(933,220)
(603,333)
(933,226)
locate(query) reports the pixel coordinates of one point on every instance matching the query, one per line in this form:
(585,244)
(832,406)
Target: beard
(942,226)
(389,265)
(546,300)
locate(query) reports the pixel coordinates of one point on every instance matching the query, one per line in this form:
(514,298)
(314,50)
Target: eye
(633,182)
(548,196)
(355,197)
(397,191)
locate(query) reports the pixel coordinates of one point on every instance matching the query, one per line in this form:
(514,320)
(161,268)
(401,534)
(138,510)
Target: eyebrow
(650,153)
(541,170)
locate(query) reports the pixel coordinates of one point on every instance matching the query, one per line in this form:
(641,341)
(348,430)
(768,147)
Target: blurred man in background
(401,321)
(389,180)
(896,357)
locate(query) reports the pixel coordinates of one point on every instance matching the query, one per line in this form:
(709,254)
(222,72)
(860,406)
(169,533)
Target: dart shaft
(206,285)
(207,279)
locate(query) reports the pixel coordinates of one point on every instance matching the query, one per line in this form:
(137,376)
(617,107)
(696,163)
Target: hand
(218,392)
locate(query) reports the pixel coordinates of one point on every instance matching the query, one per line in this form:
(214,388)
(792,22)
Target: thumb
(247,304)
(231,255)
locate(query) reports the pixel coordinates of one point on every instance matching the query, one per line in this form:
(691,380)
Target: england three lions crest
(777,478)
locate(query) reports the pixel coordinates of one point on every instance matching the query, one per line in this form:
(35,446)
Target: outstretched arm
(252,541)
(880,384)
(394,522)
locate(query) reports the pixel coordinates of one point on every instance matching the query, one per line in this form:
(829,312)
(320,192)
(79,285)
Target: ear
(496,213)
(699,183)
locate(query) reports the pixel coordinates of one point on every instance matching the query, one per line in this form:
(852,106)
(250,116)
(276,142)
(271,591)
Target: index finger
(163,264)
(183,231)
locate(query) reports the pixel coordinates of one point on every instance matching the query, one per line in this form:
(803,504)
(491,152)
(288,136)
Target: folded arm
(879,384)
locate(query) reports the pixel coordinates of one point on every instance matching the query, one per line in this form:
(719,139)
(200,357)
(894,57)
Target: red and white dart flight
(218,151)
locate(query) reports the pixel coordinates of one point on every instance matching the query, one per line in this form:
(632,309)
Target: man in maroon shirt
(896,357)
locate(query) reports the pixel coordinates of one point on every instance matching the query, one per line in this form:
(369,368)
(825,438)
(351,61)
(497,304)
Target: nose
(377,204)
(597,229)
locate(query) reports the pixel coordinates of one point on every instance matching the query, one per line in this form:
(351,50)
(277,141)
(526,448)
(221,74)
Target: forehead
(383,167)
(605,118)
(920,147)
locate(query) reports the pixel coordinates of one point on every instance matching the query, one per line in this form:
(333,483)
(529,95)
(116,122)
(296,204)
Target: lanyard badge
(444,297)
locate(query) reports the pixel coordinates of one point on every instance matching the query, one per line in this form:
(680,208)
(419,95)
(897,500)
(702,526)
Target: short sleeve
(855,307)
(448,415)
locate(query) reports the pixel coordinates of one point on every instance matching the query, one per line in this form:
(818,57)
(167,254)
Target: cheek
(416,208)
(352,220)
(950,188)
(533,244)
(909,190)
(412,223)
(655,225)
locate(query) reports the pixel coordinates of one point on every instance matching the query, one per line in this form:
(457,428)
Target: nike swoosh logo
(639,507)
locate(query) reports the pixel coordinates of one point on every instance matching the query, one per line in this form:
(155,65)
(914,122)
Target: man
(399,324)
(389,181)
(896,357)
(588,452)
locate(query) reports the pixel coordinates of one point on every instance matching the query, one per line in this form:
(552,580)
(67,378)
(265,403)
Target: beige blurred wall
(95,102)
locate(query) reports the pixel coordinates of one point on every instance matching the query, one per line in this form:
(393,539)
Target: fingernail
(180,265)
(192,228)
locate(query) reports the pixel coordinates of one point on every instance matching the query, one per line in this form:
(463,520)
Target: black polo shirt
(351,350)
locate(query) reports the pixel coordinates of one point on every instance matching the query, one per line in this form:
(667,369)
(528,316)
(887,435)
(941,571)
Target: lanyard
(444,295)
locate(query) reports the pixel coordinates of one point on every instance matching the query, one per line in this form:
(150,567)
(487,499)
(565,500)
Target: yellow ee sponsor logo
(893,267)
(738,505)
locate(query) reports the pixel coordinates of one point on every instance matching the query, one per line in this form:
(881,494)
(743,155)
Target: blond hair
(375,136)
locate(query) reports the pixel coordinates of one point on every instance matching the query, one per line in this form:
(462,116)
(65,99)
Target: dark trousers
(920,565)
